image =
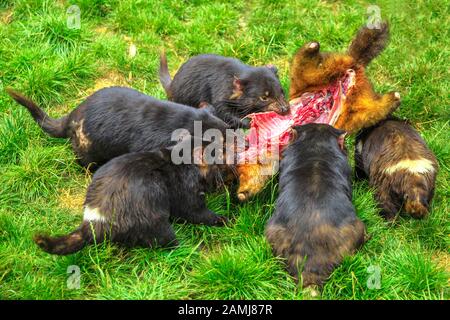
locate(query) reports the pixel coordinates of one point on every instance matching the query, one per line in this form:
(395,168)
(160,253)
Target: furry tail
(63,245)
(369,43)
(164,75)
(54,127)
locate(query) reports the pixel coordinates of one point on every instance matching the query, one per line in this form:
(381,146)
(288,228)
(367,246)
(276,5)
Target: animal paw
(313,47)
(242,196)
(221,221)
(387,215)
(396,100)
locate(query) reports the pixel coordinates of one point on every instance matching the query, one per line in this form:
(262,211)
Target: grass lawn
(42,187)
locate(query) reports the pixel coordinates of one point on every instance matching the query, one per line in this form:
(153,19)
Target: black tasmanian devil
(399,165)
(118,120)
(232,88)
(315,225)
(132,197)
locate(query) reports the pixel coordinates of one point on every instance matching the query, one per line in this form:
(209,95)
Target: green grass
(42,187)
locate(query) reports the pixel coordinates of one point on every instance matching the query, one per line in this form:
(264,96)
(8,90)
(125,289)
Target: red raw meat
(270,131)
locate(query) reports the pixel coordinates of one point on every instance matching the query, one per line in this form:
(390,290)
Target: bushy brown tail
(369,43)
(54,127)
(63,245)
(164,75)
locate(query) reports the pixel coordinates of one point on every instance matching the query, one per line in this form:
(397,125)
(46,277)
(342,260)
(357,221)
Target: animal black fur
(233,88)
(314,225)
(136,194)
(117,120)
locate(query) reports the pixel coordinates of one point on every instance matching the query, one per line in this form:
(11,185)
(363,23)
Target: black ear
(337,132)
(272,68)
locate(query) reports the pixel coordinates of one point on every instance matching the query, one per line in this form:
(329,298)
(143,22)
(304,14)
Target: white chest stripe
(419,166)
(92,215)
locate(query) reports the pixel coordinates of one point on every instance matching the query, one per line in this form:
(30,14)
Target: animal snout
(284,107)
(281,106)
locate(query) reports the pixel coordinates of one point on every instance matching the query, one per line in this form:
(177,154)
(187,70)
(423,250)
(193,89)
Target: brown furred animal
(399,165)
(314,225)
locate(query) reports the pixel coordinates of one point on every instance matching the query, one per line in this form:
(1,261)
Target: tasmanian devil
(399,165)
(118,120)
(233,88)
(132,197)
(314,225)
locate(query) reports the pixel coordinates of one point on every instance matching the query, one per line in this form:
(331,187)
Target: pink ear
(294,135)
(198,155)
(203,104)
(237,88)
(273,68)
(237,84)
(341,141)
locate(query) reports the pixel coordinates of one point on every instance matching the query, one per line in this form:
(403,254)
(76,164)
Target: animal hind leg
(161,235)
(206,217)
(253,178)
(368,111)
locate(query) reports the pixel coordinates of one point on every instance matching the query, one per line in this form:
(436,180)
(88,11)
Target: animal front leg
(359,173)
(385,202)
(235,122)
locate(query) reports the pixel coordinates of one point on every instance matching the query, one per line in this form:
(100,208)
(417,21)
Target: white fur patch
(92,215)
(419,166)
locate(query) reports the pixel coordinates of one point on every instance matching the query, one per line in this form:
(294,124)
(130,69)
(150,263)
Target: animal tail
(164,75)
(54,127)
(70,243)
(369,43)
